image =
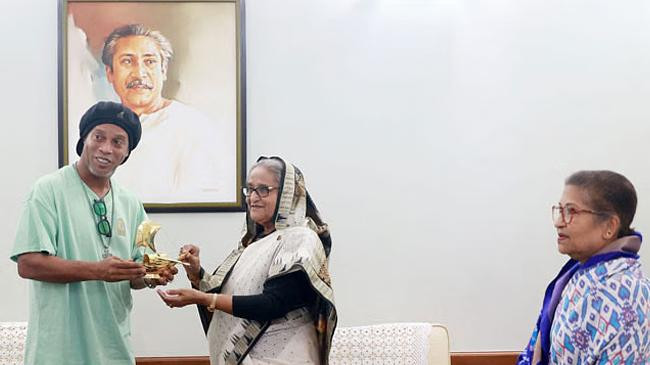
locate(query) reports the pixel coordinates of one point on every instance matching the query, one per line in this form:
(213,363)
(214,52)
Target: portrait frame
(219,28)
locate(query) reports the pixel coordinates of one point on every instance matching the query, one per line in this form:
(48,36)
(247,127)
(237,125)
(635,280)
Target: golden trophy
(154,262)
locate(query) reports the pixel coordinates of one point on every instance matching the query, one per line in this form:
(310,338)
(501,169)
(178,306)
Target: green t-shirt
(84,322)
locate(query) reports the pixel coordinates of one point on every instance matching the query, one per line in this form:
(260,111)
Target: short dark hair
(166,51)
(608,192)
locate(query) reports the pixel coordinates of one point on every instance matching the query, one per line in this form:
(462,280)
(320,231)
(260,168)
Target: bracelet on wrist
(213,303)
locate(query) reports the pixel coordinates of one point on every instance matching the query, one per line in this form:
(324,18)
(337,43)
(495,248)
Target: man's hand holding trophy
(160,269)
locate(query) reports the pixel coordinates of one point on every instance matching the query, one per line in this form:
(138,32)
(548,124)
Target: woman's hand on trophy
(190,255)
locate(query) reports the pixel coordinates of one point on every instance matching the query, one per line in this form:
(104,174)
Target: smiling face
(105,148)
(587,233)
(261,209)
(137,74)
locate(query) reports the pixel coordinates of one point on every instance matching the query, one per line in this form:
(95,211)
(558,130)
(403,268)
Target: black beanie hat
(111,113)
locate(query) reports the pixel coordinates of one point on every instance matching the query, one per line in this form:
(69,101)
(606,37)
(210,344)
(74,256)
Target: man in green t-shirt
(76,241)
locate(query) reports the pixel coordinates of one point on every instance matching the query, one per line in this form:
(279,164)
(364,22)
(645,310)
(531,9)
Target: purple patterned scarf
(627,246)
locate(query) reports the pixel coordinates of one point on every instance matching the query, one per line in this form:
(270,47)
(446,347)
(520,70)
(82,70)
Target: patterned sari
(301,242)
(595,312)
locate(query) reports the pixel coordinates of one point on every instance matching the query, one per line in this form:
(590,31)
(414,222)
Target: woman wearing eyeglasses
(271,300)
(596,310)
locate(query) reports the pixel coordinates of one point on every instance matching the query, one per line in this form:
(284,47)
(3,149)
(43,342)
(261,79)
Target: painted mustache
(139,83)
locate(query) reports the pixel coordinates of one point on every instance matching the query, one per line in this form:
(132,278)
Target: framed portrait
(179,65)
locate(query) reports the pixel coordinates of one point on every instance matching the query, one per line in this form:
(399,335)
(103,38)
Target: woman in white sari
(271,300)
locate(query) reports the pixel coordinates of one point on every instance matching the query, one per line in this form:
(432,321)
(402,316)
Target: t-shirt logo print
(120,227)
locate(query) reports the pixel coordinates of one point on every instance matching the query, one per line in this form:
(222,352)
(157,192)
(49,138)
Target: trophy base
(152,276)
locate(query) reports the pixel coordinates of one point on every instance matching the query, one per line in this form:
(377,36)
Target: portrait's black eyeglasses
(263,191)
(103,226)
(566,213)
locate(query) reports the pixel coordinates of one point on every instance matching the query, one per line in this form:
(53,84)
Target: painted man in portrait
(182,154)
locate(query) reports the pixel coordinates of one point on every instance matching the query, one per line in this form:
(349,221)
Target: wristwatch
(149,283)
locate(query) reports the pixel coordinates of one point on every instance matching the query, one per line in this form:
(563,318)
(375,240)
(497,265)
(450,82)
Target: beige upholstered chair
(12,342)
(392,343)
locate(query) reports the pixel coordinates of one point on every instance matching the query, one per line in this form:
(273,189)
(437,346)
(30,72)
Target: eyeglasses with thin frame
(262,191)
(567,212)
(103,226)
